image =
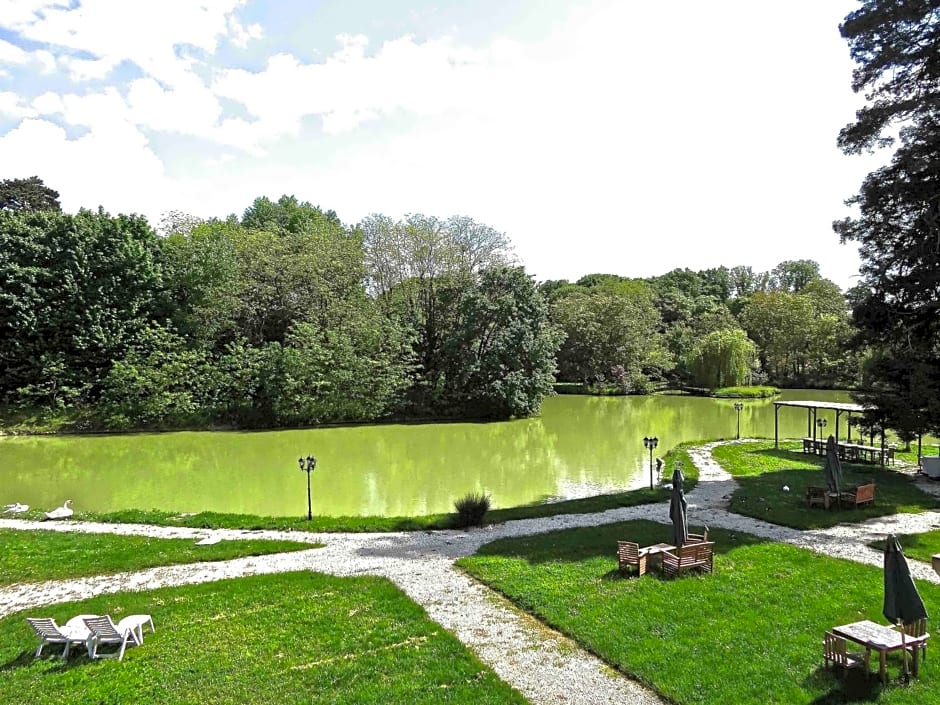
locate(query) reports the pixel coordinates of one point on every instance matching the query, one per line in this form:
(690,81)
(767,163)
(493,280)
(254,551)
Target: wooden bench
(863,494)
(630,555)
(691,556)
(699,538)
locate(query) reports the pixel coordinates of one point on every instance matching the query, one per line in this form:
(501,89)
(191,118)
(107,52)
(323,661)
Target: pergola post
(777,425)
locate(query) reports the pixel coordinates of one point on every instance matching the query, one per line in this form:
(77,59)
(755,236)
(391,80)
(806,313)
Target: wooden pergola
(811,409)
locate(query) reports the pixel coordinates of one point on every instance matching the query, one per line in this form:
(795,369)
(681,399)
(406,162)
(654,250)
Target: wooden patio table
(654,554)
(877,637)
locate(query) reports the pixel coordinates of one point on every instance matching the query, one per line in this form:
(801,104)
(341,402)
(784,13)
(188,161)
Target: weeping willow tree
(723,358)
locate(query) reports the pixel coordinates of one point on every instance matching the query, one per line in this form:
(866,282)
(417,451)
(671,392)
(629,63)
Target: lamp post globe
(650,442)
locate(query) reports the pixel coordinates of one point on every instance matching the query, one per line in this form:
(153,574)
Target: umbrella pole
(903,650)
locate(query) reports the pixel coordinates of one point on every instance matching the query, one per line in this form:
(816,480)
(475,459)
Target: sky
(602,136)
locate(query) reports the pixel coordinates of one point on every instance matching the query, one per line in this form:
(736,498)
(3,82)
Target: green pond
(579,446)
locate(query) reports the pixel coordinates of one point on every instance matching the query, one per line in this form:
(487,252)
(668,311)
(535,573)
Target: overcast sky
(614,136)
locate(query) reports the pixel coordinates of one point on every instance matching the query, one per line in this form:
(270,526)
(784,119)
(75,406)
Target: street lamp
(651,443)
(737,407)
(308,467)
(822,424)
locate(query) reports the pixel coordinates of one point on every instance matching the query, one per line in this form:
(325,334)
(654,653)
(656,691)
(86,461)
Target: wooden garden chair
(630,555)
(835,653)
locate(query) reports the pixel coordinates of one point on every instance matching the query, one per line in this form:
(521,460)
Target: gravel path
(543,665)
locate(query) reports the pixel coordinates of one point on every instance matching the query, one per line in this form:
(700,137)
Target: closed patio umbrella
(903,603)
(677,510)
(833,468)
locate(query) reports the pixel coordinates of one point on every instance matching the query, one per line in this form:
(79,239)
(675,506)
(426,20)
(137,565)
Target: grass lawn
(33,556)
(918,546)
(750,634)
(286,639)
(762,472)
(911,455)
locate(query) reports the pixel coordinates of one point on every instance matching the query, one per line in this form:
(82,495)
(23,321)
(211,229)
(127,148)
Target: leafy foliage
(896,44)
(723,358)
(29,194)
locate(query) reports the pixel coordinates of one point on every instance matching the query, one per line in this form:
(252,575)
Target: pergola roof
(837,405)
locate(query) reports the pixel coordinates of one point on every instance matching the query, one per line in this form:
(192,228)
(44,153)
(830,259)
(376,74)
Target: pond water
(579,446)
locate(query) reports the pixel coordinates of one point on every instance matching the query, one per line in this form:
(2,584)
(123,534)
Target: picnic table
(877,637)
(655,552)
(849,451)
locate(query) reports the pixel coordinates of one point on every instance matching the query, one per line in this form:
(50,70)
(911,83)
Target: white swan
(15,508)
(63,512)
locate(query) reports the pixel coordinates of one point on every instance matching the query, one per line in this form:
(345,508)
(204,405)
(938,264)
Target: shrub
(471,509)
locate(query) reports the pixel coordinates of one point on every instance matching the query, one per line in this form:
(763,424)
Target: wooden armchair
(691,556)
(817,497)
(835,653)
(916,633)
(630,555)
(699,538)
(858,496)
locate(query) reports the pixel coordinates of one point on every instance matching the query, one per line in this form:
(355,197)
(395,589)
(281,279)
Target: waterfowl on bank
(15,508)
(63,512)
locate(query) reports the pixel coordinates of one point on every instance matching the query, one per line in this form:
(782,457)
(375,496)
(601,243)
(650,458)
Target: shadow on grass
(60,665)
(576,545)
(848,686)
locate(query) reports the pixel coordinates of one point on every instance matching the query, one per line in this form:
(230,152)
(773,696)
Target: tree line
(285,316)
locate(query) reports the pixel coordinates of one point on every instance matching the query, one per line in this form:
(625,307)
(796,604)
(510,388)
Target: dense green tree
(896,45)
(29,194)
(160,383)
(610,333)
(75,292)
(723,358)
(794,275)
(500,357)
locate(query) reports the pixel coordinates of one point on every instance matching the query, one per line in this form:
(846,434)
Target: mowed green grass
(34,556)
(918,546)
(750,634)
(285,639)
(762,472)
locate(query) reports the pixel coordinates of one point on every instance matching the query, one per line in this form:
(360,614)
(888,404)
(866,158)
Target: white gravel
(543,665)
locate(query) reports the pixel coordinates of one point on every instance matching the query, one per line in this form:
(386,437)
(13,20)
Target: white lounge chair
(104,631)
(51,633)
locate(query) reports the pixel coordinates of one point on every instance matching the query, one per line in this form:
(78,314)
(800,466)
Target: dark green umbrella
(902,601)
(677,510)
(833,467)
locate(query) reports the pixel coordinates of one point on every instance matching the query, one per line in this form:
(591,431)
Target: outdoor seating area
(879,638)
(850,452)
(91,631)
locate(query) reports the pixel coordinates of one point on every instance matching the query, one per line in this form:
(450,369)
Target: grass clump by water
(34,556)
(471,509)
(762,472)
(291,638)
(750,634)
(745,392)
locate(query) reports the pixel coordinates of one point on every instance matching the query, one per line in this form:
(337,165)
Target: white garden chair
(51,633)
(104,631)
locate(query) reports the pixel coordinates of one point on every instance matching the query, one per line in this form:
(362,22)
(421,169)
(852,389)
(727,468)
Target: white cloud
(146,34)
(113,167)
(12,105)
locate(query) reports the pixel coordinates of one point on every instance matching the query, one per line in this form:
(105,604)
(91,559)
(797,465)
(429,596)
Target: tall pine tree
(896,44)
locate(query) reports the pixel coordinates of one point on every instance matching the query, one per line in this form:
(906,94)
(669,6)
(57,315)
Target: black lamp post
(308,467)
(651,443)
(822,424)
(737,407)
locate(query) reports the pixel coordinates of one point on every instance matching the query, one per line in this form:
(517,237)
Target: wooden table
(655,554)
(879,638)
